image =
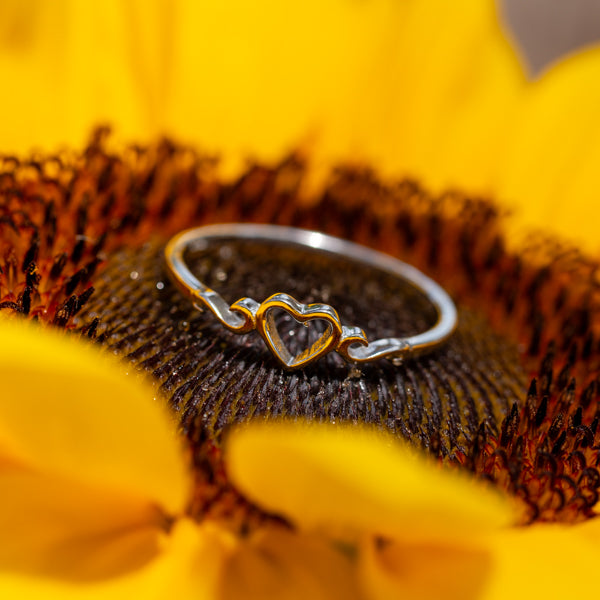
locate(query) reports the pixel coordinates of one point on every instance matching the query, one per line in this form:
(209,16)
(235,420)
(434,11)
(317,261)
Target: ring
(246,315)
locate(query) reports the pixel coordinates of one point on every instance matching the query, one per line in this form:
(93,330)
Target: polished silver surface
(351,343)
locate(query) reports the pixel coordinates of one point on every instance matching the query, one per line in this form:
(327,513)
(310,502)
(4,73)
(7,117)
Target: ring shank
(199,238)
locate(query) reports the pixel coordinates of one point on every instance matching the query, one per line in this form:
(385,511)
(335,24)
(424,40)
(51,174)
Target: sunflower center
(471,403)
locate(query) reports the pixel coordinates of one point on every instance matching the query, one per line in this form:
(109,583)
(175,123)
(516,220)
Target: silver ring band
(351,343)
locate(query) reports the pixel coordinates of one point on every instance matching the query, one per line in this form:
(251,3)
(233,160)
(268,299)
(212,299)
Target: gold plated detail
(302,313)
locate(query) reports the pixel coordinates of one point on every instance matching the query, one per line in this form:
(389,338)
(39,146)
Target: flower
(428,117)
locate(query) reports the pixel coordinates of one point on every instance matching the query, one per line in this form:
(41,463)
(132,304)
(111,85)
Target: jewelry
(351,343)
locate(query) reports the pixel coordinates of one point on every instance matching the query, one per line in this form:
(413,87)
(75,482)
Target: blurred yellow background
(419,88)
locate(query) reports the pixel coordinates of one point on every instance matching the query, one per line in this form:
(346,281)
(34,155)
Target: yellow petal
(442,86)
(89,63)
(419,87)
(281,564)
(551,170)
(424,572)
(189,566)
(56,527)
(69,412)
(351,480)
(544,561)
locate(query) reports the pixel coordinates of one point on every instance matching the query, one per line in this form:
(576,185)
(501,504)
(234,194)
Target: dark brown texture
(214,378)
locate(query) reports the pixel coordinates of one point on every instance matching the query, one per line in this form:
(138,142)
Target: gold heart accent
(327,341)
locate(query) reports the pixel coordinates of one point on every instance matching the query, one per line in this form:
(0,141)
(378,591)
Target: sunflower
(102,498)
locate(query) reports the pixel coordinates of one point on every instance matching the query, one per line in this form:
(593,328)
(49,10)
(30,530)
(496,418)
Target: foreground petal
(545,561)
(423,571)
(350,480)
(278,563)
(59,528)
(189,566)
(69,412)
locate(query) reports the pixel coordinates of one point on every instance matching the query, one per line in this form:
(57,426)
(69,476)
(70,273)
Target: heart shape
(303,313)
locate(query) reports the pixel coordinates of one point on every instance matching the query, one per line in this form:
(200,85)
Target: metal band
(351,343)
